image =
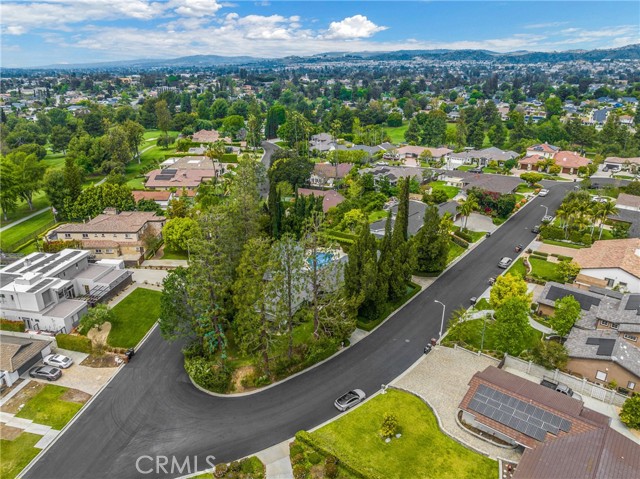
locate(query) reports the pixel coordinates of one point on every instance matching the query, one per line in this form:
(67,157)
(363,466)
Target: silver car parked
(350,399)
(58,360)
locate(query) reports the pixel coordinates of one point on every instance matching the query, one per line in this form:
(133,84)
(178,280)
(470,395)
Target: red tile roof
(151,195)
(569,159)
(331,198)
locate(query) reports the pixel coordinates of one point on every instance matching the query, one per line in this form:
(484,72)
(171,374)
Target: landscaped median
(353,446)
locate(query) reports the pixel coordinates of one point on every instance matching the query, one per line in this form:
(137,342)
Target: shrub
(300,471)
(74,342)
(295,449)
(459,241)
(15,326)
(298,459)
(330,470)
(253,466)
(587,239)
(630,413)
(550,355)
(575,237)
(234,466)
(552,233)
(464,235)
(207,374)
(389,425)
(221,470)
(315,458)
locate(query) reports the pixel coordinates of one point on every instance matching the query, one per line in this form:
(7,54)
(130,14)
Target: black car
(50,373)
(536,229)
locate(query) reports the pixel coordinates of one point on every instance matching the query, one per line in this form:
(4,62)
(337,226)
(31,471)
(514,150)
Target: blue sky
(71,31)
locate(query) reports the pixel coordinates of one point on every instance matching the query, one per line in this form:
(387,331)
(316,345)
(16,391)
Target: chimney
(110,211)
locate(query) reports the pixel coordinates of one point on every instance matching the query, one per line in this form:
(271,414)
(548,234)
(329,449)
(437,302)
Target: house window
(601,376)
(630,337)
(622,285)
(115,235)
(109,251)
(95,235)
(614,325)
(127,235)
(67,235)
(102,235)
(98,251)
(85,235)
(604,323)
(631,385)
(610,282)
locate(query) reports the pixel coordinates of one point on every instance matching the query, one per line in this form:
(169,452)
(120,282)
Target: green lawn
(377,215)
(518,268)
(170,254)
(469,334)
(26,229)
(455,250)
(54,160)
(40,201)
(563,243)
(156,133)
(423,451)
(396,133)
(524,189)
(546,270)
(134,317)
(17,454)
(47,408)
(451,191)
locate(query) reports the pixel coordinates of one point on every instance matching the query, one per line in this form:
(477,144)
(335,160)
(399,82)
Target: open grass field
(26,229)
(17,453)
(47,408)
(135,315)
(396,133)
(40,201)
(423,451)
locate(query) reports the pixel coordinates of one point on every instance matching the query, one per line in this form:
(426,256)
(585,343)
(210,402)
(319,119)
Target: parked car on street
(536,229)
(350,399)
(49,373)
(543,192)
(505,262)
(58,360)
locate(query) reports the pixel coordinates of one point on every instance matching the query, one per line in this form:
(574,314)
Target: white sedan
(58,360)
(543,192)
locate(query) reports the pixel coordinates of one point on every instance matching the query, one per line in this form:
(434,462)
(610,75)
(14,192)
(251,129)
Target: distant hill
(629,52)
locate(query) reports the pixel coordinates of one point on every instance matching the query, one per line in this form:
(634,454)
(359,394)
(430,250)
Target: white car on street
(543,192)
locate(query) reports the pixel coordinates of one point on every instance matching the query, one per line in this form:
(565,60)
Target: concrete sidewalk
(276,461)
(48,434)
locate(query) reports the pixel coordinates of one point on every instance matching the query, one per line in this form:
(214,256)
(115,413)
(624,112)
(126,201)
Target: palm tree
(606,209)
(216,150)
(466,207)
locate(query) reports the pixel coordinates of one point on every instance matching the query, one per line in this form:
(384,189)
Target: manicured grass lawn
(134,317)
(524,189)
(16,454)
(170,254)
(562,243)
(482,305)
(25,229)
(455,250)
(40,201)
(54,160)
(47,408)
(475,235)
(396,133)
(451,191)
(423,451)
(377,215)
(545,270)
(469,334)
(518,268)
(156,133)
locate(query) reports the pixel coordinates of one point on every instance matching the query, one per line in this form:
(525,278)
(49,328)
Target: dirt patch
(240,374)
(6,391)
(74,395)
(106,360)
(99,337)
(26,393)
(9,433)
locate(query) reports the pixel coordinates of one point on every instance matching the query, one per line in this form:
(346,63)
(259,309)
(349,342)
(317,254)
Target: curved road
(150,408)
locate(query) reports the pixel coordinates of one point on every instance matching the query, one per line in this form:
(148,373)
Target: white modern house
(52,291)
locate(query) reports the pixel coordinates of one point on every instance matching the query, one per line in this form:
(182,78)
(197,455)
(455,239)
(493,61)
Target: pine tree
(275,211)
(431,243)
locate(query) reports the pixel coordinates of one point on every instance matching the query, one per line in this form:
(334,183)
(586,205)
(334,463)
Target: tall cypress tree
(432,243)
(275,211)
(401,227)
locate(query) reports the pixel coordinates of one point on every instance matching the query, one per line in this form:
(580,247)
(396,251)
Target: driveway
(477,222)
(83,378)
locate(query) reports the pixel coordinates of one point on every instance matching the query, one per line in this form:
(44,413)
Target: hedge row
(346,461)
(541,253)
(15,326)
(74,342)
(459,241)
(464,235)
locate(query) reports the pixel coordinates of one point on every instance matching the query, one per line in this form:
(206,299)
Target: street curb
(82,410)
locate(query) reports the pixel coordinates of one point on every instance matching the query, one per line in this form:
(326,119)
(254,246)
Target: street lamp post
(546,210)
(484,323)
(444,307)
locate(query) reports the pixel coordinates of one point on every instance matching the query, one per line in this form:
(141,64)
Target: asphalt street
(151,408)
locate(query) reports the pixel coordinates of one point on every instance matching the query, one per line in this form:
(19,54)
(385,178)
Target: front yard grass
(469,335)
(518,268)
(174,254)
(423,450)
(47,408)
(455,250)
(17,453)
(377,215)
(451,191)
(545,270)
(564,243)
(134,316)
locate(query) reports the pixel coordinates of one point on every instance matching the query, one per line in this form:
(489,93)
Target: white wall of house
(616,277)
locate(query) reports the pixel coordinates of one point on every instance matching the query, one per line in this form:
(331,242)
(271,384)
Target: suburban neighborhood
(339,251)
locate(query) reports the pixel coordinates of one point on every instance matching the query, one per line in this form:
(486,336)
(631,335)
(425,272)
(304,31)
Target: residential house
(325,175)
(114,234)
(568,161)
(52,291)
(187,172)
(615,162)
(18,354)
(480,157)
(466,180)
(161,198)
(545,150)
(409,154)
(330,198)
(416,216)
(603,357)
(393,173)
(610,263)
(599,117)
(208,136)
(628,211)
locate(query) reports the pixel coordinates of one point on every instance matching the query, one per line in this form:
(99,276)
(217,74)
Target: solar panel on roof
(565,425)
(633,302)
(585,301)
(605,345)
(170,171)
(40,284)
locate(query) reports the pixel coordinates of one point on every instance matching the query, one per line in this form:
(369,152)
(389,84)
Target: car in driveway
(58,360)
(543,192)
(350,399)
(505,262)
(50,373)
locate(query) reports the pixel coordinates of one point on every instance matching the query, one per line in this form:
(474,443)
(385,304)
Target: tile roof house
(18,354)
(611,263)
(394,173)
(570,161)
(160,197)
(544,150)
(523,413)
(208,136)
(330,198)
(325,175)
(172,178)
(618,162)
(481,157)
(113,234)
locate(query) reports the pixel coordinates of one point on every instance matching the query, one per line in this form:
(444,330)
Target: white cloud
(544,25)
(196,8)
(357,26)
